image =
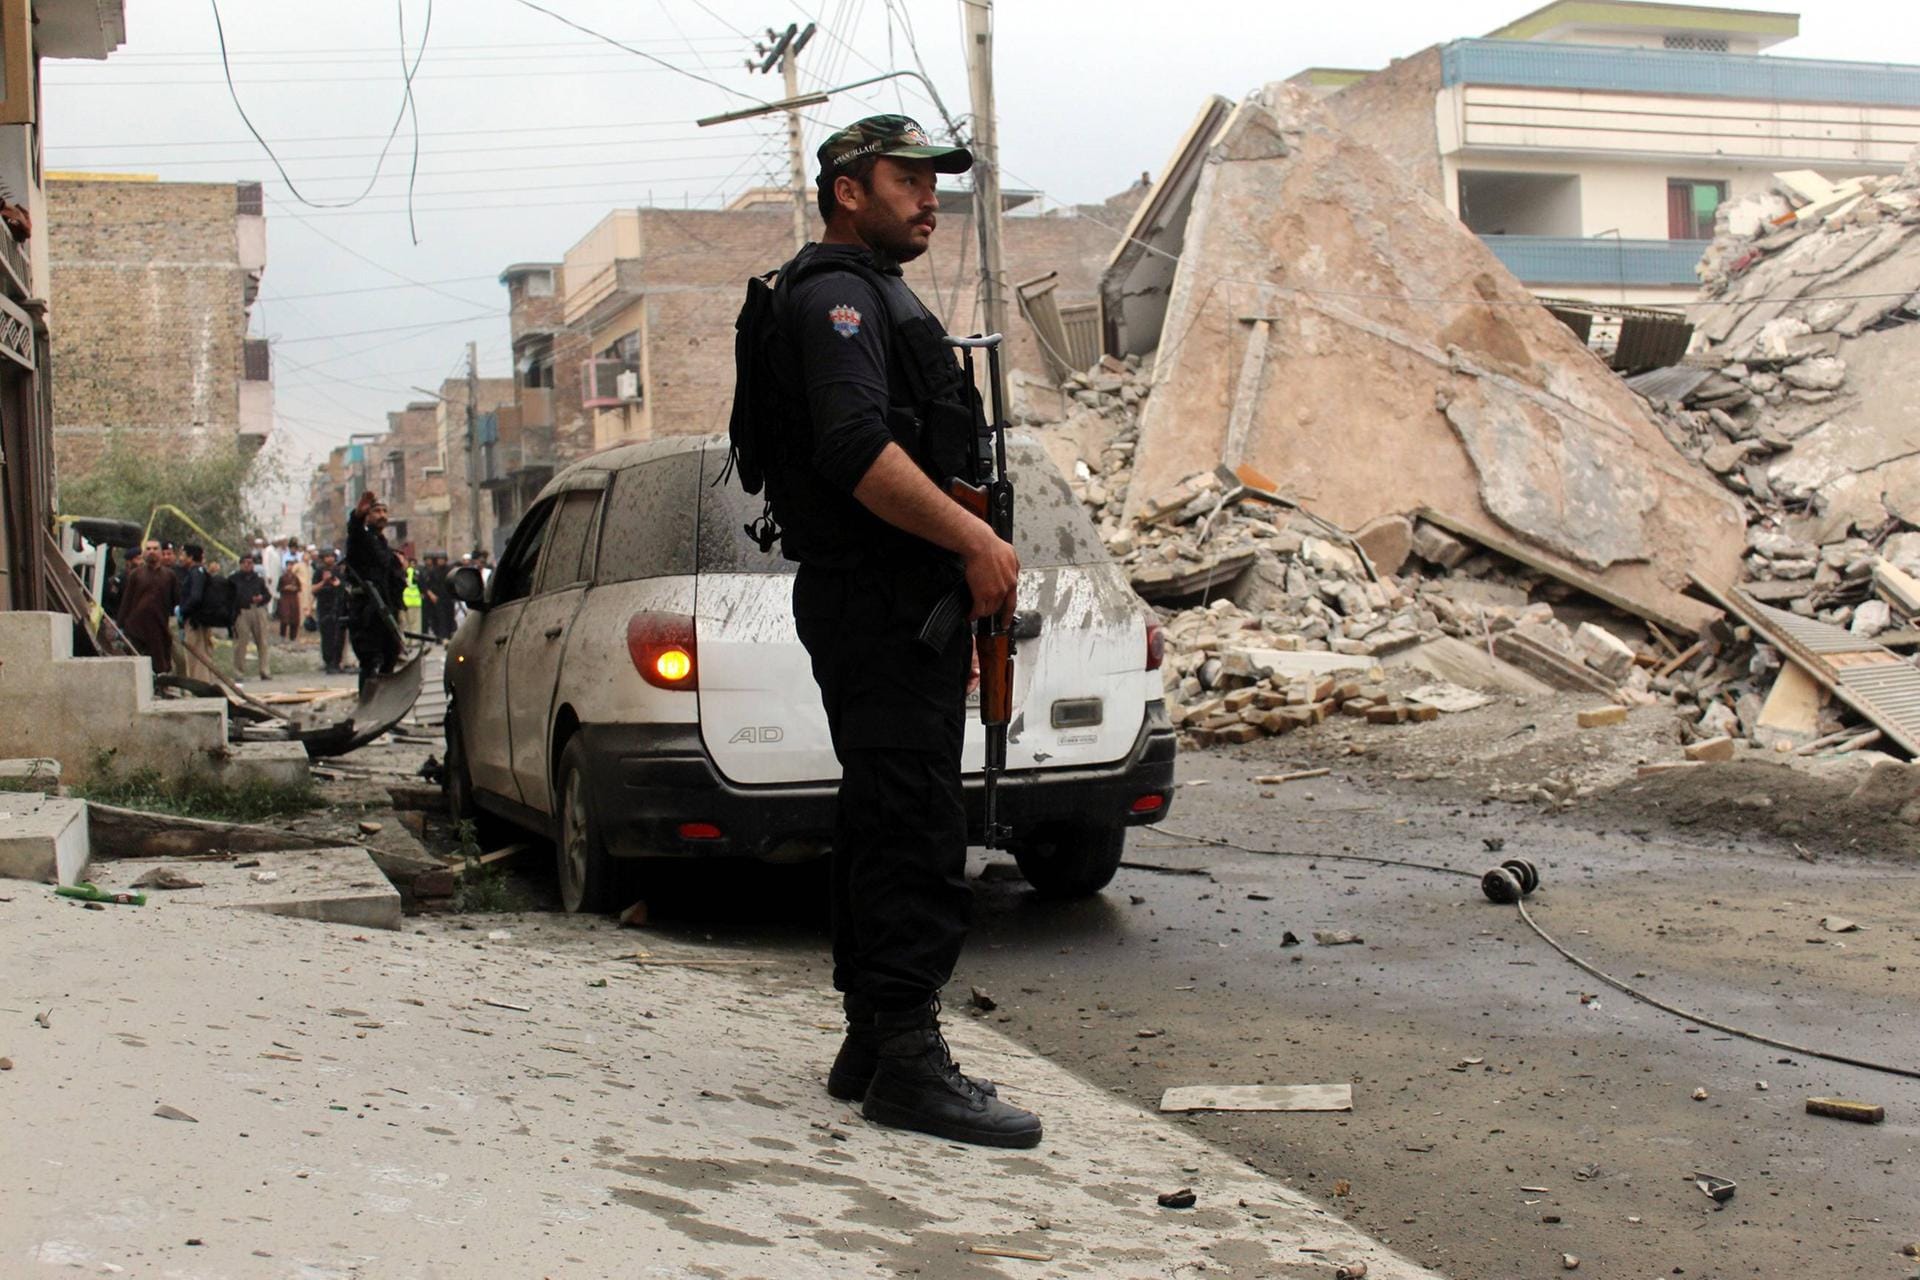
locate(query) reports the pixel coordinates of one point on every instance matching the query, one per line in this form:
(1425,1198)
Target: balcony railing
(1687,73)
(1572,260)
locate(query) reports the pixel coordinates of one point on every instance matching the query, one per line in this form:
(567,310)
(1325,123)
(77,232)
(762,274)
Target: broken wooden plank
(1793,704)
(1680,659)
(1847,1109)
(1544,663)
(1259,1097)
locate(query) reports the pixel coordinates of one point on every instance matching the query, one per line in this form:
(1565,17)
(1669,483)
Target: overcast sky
(531,131)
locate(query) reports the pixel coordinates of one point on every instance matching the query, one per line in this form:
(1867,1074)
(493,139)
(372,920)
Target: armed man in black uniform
(374,581)
(877,415)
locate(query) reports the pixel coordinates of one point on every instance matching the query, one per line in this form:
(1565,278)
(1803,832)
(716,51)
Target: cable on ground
(1687,1015)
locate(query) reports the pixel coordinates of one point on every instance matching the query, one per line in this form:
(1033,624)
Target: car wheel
(1069,859)
(586,873)
(458,786)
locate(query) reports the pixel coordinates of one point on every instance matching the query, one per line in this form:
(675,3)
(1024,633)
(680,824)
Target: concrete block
(1605,652)
(1234,733)
(1711,750)
(1392,714)
(43,838)
(1602,717)
(335,886)
(1388,541)
(1438,547)
(281,764)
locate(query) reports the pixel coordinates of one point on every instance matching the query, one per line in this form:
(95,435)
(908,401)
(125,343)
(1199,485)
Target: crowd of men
(172,600)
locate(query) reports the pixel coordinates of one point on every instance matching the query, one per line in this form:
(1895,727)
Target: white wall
(1627,196)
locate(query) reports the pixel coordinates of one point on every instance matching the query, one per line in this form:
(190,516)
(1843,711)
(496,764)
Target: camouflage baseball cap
(896,136)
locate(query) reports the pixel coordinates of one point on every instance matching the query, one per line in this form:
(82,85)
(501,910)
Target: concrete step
(335,886)
(30,773)
(43,838)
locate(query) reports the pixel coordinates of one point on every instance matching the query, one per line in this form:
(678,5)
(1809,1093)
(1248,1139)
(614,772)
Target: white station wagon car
(630,685)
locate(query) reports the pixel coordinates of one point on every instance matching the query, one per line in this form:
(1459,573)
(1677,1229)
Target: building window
(536,366)
(246,196)
(1698,44)
(396,477)
(257,357)
(612,378)
(540,284)
(1691,205)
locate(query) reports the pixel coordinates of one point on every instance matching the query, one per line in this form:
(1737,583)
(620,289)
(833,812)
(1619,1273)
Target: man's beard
(895,239)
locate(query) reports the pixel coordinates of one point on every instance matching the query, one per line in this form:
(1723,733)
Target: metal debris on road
(1259,1097)
(1720,1189)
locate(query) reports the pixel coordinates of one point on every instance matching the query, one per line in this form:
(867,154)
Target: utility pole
(784,49)
(473,447)
(978,19)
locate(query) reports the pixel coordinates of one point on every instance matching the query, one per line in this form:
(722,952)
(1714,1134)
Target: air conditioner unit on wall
(607,383)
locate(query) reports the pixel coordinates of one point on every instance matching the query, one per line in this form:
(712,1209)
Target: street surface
(1483,1064)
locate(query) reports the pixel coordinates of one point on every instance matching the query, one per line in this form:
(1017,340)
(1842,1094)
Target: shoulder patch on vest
(845,320)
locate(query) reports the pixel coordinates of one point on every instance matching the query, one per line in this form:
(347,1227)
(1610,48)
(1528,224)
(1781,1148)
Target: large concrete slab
(280,764)
(1333,325)
(337,886)
(450,1103)
(42,837)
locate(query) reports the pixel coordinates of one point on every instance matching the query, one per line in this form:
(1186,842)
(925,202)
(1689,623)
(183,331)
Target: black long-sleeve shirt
(840,330)
(373,563)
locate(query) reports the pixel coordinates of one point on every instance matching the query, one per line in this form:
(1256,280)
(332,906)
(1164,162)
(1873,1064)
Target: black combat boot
(917,1086)
(853,1066)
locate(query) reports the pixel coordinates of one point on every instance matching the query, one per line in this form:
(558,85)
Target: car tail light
(663,650)
(699,831)
(1150,803)
(1156,646)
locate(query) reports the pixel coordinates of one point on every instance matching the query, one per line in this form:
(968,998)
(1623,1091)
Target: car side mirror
(468,588)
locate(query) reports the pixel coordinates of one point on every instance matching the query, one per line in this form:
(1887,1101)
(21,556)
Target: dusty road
(1479,1069)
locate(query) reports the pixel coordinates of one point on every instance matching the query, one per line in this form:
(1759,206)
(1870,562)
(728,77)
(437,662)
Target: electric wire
(638,52)
(1686,1015)
(406,99)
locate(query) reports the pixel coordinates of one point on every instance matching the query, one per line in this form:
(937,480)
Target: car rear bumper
(647,783)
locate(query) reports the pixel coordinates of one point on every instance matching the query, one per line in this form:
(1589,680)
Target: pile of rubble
(1800,395)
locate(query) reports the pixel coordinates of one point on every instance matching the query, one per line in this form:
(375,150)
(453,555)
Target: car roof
(592,471)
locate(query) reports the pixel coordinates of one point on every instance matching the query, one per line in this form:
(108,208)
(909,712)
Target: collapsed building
(1331,428)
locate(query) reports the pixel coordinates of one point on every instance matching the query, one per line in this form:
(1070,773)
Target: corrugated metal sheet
(1675,382)
(1871,678)
(1687,73)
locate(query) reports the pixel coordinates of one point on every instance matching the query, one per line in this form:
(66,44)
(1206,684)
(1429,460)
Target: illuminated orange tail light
(663,650)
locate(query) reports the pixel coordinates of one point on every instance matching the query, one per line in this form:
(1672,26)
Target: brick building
(325,523)
(648,300)
(151,287)
(405,468)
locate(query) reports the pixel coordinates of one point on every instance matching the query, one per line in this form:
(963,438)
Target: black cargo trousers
(901,904)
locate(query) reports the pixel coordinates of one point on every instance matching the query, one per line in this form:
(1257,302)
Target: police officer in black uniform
(374,581)
(878,415)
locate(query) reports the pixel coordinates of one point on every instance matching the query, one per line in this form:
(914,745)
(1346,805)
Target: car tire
(586,875)
(488,830)
(1069,859)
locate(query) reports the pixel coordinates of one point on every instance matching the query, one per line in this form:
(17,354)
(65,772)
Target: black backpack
(763,382)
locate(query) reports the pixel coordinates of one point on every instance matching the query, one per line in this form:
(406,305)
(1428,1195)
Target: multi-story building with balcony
(1592,141)
(29,34)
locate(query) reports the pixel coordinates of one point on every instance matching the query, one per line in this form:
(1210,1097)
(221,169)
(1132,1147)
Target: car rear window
(645,530)
(1050,527)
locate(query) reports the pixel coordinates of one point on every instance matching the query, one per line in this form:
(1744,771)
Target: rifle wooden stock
(972,497)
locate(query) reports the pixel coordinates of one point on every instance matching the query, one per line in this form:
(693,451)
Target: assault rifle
(990,497)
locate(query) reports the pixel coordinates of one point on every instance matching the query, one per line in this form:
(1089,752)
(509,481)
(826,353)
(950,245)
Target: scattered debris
(166,878)
(44,1019)
(1337,938)
(1259,1097)
(1838,924)
(995,1251)
(1342,1187)
(981,1000)
(1717,1188)
(1298,775)
(1700,1095)
(167,1111)
(6,1064)
(635,916)
(1569,1262)
(1846,1109)
(1351,1271)
(1602,717)
(368,828)
(1181,1199)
